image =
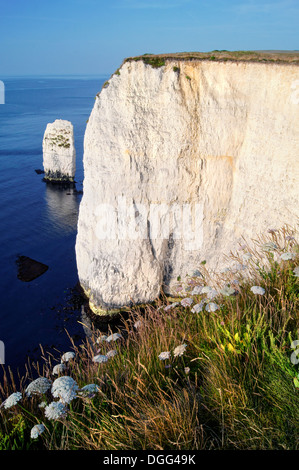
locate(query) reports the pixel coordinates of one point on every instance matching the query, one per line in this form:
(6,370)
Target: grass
(221,55)
(155,62)
(231,388)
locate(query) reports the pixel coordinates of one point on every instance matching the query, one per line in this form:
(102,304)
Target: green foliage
(154,62)
(233,387)
(16,438)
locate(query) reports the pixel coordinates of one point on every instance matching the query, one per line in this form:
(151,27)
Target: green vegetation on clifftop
(158,60)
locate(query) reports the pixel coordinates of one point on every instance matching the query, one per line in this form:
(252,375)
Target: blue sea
(38,220)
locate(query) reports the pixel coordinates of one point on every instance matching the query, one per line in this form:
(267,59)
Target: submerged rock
(59,154)
(29,269)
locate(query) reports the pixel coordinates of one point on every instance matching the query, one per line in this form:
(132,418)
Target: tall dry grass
(232,388)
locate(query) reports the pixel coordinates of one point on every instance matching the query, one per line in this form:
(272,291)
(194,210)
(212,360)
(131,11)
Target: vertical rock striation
(180,162)
(59,154)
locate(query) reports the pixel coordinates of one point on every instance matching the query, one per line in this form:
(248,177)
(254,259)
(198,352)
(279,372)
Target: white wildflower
(227,291)
(168,307)
(211,293)
(197,290)
(287,256)
(257,290)
(137,324)
(100,358)
(58,369)
(113,337)
(12,400)
(65,388)
(43,404)
(40,385)
(68,356)
(179,350)
(55,410)
(101,338)
(206,289)
(36,431)
(198,307)
(212,307)
(111,353)
(187,302)
(187,370)
(89,389)
(296,271)
(239,267)
(164,355)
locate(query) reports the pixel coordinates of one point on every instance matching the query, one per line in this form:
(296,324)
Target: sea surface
(39,220)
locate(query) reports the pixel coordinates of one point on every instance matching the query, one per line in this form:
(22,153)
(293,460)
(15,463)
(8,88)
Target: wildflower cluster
(12,400)
(102,358)
(38,386)
(65,358)
(65,388)
(199,294)
(205,304)
(178,351)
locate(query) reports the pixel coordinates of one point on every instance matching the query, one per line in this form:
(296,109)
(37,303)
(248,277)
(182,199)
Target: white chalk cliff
(59,154)
(214,143)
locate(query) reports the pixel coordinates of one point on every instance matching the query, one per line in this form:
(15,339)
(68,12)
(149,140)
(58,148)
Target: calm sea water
(37,220)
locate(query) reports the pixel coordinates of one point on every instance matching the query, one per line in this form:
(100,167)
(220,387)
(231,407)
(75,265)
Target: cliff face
(180,162)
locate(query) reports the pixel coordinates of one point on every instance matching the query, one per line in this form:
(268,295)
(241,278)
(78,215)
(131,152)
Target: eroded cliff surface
(180,162)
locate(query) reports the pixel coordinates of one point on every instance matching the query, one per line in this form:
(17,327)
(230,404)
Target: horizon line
(49,75)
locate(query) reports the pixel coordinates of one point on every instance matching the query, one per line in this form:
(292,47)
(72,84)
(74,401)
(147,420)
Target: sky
(92,37)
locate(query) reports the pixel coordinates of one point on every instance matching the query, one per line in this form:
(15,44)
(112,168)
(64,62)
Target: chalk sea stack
(59,154)
(214,135)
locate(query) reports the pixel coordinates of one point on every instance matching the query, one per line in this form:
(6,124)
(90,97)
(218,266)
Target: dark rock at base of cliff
(29,269)
(57,178)
(60,184)
(39,172)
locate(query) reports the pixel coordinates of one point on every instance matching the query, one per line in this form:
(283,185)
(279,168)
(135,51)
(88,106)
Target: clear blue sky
(40,37)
